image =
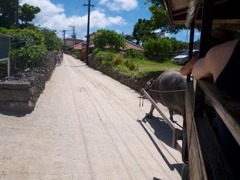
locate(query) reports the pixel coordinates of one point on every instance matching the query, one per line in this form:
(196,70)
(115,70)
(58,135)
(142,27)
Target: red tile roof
(129,45)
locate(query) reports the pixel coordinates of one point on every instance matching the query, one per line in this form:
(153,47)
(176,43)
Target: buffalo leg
(171,115)
(150,114)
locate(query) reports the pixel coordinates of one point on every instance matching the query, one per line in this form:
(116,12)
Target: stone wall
(21,91)
(131,81)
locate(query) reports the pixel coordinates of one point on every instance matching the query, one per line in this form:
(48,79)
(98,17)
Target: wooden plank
(227,108)
(231,22)
(173,126)
(196,165)
(170,123)
(206,160)
(175,138)
(215,164)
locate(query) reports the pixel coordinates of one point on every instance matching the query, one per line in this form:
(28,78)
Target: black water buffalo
(169,90)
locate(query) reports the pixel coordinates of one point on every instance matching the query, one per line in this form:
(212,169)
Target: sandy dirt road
(86,126)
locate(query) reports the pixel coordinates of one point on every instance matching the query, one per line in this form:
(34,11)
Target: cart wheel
(185,172)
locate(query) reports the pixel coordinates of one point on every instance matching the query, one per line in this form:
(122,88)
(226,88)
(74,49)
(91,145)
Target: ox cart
(201,151)
(202,155)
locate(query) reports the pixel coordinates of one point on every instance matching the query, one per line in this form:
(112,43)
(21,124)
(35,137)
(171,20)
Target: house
(83,45)
(131,45)
(79,44)
(69,42)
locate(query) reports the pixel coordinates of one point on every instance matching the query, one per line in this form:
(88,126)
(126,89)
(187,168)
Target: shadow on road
(12,113)
(163,132)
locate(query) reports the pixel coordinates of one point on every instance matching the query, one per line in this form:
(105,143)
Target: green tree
(52,41)
(158,46)
(177,46)
(27,13)
(137,31)
(142,31)
(127,37)
(108,39)
(160,19)
(24,36)
(8,13)
(29,46)
(8,9)
(156,27)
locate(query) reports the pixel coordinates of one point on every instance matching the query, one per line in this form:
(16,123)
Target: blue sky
(117,15)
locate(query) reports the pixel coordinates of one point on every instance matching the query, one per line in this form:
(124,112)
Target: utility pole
(17,16)
(74,35)
(89,5)
(64,31)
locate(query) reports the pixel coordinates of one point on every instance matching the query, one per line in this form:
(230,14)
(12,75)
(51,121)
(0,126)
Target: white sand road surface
(86,126)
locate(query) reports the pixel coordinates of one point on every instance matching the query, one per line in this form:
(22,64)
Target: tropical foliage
(8,11)
(27,13)
(28,42)
(108,39)
(140,67)
(156,27)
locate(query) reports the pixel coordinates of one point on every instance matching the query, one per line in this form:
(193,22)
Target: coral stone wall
(21,91)
(128,80)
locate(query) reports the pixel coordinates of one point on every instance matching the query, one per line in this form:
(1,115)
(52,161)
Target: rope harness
(141,98)
(180,90)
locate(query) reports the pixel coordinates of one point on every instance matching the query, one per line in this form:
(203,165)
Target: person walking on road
(58,58)
(61,56)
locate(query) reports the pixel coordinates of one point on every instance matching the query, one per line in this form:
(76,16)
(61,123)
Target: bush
(118,60)
(24,36)
(51,41)
(129,65)
(132,53)
(115,60)
(28,56)
(135,66)
(105,56)
(96,50)
(29,45)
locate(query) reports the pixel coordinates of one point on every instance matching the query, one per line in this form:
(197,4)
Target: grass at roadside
(146,68)
(136,65)
(151,66)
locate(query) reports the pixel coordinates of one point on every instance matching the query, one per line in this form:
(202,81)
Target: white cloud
(117,5)
(52,16)
(100,20)
(46,6)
